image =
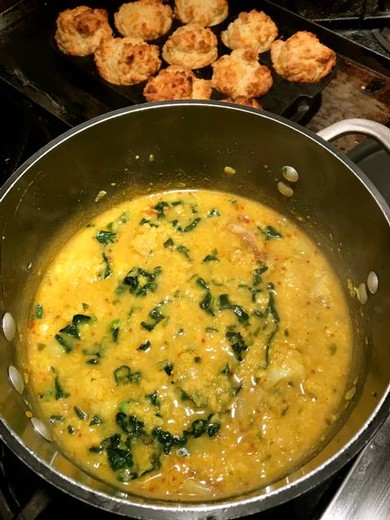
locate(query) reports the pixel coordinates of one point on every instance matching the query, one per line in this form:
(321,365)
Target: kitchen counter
(355,91)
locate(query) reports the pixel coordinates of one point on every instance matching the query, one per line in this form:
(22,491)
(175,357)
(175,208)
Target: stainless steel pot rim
(205,103)
(239,505)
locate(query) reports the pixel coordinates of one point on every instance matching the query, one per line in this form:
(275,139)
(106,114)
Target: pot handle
(357,126)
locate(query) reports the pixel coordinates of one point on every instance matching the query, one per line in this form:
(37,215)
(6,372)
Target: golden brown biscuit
(204,12)
(80,30)
(302,58)
(192,46)
(146,19)
(176,82)
(254,30)
(242,100)
(127,61)
(241,74)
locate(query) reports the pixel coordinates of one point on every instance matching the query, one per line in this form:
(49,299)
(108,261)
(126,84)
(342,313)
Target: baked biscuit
(204,12)
(254,30)
(192,46)
(127,61)
(241,74)
(176,82)
(79,31)
(302,58)
(245,101)
(146,19)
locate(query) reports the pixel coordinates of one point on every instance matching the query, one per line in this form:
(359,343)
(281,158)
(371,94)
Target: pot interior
(187,145)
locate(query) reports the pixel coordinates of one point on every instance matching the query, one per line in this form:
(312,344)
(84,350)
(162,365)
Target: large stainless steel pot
(188,144)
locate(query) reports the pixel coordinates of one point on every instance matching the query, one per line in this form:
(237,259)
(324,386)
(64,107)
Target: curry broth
(189,345)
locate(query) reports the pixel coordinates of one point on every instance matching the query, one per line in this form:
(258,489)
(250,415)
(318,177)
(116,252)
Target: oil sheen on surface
(189,346)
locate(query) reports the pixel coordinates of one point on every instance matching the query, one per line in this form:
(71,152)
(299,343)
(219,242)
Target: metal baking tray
(29,52)
(72,90)
(288,99)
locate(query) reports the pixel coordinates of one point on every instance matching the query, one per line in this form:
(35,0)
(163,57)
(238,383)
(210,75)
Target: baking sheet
(284,98)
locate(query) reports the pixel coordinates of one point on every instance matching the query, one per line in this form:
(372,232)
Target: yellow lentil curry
(189,345)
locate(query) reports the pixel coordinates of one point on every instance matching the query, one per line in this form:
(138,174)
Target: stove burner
(322,9)
(383,37)
(26,496)
(340,10)
(27,128)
